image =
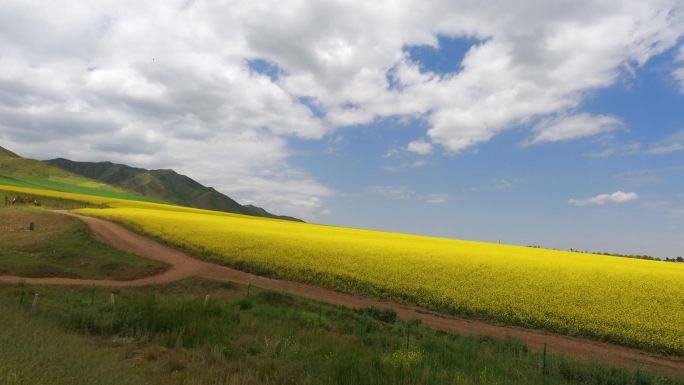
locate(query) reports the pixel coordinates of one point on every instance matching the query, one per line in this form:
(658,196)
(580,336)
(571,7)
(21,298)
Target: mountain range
(138,183)
(167,185)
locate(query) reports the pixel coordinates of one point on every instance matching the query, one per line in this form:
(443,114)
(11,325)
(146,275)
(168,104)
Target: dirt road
(183,266)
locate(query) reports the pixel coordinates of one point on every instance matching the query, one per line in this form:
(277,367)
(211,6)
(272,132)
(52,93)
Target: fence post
(112,299)
(35,300)
(92,295)
(544,361)
(206,300)
(249,287)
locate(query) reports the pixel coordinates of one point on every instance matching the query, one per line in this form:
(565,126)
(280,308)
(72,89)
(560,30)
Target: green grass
(173,337)
(35,352)
(74,186)
(21,172)
(62,246)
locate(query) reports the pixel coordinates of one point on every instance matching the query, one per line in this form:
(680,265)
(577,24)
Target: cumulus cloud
(420,147)
(573,127)
(601,199)
(112,82)
(172,83)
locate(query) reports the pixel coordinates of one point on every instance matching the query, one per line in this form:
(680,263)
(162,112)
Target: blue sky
(560,124)
(506,192)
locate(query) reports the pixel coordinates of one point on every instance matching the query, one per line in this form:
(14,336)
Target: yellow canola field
(628,301)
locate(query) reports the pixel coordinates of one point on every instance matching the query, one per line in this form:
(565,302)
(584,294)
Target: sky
(557,123)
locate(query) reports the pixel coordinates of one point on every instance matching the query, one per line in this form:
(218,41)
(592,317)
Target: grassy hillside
(62,246)
(4,153)
(202,332)
(22,172)
(165,185)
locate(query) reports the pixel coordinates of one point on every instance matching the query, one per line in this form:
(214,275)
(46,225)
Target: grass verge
(36,352)
(203,332)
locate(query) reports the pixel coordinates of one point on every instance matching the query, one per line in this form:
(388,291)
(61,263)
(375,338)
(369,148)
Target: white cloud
(436,198)
(664,149)
(391,153)
(420,147)
(503,184)
(679,75)
(679,72)
(674,142)
(405,165)
(573,127)
(619,150)
(173,78)
(419,163)
(601,199)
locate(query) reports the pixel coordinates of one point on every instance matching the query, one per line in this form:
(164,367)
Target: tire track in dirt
(183,266)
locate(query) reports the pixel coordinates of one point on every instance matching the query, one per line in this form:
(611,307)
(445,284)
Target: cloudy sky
(557,123)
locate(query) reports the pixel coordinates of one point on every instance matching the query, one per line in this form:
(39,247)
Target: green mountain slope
(23,172)
(167,185)
(5,153)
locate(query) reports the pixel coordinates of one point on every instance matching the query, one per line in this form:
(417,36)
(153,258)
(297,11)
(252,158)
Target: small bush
(245,304)
(384,315)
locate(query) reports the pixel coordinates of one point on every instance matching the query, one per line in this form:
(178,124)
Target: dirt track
(183,266)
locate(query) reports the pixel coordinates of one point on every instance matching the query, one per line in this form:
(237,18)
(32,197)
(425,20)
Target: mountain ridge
(18,171)
(5,154)
(165,184)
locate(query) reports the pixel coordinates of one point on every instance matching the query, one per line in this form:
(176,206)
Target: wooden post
(92,295)
(112,299)
(32,226)
(249,286)
(35,300)
(206,300)
(544,361)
